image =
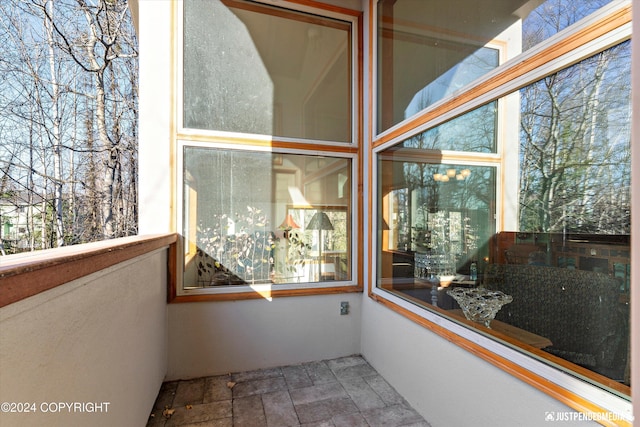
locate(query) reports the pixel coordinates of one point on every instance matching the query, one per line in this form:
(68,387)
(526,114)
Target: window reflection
(250,218)
(439,213)
(449,45)
(258,69)
(474,131)
(556,241)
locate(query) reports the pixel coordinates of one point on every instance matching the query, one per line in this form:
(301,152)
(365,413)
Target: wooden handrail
(27,274)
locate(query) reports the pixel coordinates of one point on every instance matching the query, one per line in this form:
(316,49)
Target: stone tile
(387,393)
(279,410)
(258,374)
(417,424)
(323,423)
(351,366)
(189,392)
(341,406)
(296,377)
(314,411)
(320,373)
(166,395)
(345,362)
(362,394)
(207,412)
(156,419)
(396,415)
(350,420)
(317,392)
(216,389)
(359,370)
(260,386)
(344,392)
(223,422)
(324,409)
(249,412)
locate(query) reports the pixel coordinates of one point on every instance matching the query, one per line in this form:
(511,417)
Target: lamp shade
(289,223)
(320,221)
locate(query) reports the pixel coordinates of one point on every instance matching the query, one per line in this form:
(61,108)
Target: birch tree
(575,149)
(68,111)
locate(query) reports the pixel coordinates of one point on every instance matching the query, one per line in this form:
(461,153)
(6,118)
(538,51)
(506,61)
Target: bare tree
(575,147)
(68,112)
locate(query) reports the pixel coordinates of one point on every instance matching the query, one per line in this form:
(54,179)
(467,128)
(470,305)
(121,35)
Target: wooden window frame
(182,136)
(603,29)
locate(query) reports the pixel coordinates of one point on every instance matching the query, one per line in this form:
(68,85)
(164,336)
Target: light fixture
(452,173)
(287,225)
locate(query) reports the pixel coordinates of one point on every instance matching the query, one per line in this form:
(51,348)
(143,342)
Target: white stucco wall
(211,338)
(155,158)
(446,384)
(449,386)
(99,339)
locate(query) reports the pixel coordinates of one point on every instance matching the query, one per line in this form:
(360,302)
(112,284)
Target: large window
(450,44)
(265,218)
(267,148)
(511,218)
(256,69)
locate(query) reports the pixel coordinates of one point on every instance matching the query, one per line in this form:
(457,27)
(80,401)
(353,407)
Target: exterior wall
(102,338)
(635,215)
(156,123)
(211,338)
(447,385)
(219,337)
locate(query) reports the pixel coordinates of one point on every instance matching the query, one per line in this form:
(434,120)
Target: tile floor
(333,393)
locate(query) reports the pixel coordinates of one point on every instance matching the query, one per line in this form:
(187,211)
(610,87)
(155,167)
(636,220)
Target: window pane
(575,151)
(563,256)
(257,69)
(474,131)
(429,49)
(437,219)
(552,16)
(258,217)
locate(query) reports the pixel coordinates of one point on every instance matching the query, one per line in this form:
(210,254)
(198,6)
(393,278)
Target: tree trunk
(55,131)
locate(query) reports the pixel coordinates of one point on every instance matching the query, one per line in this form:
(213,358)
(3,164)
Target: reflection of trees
(475,131)
(552,16)
(575,147)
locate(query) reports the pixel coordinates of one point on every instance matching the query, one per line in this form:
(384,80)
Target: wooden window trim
(176,295)
(487,91)
(188,136)
(28,274)
(257,294)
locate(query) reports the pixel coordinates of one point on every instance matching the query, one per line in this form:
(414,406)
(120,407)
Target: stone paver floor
(344,392)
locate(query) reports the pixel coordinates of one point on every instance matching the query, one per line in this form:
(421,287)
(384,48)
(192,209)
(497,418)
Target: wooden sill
(236,296)
(27,274)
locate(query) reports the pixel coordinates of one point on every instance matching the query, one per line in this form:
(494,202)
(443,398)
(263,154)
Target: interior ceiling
(281,42)
(482,20)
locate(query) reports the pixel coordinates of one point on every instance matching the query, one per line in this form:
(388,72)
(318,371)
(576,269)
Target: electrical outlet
(344,308)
